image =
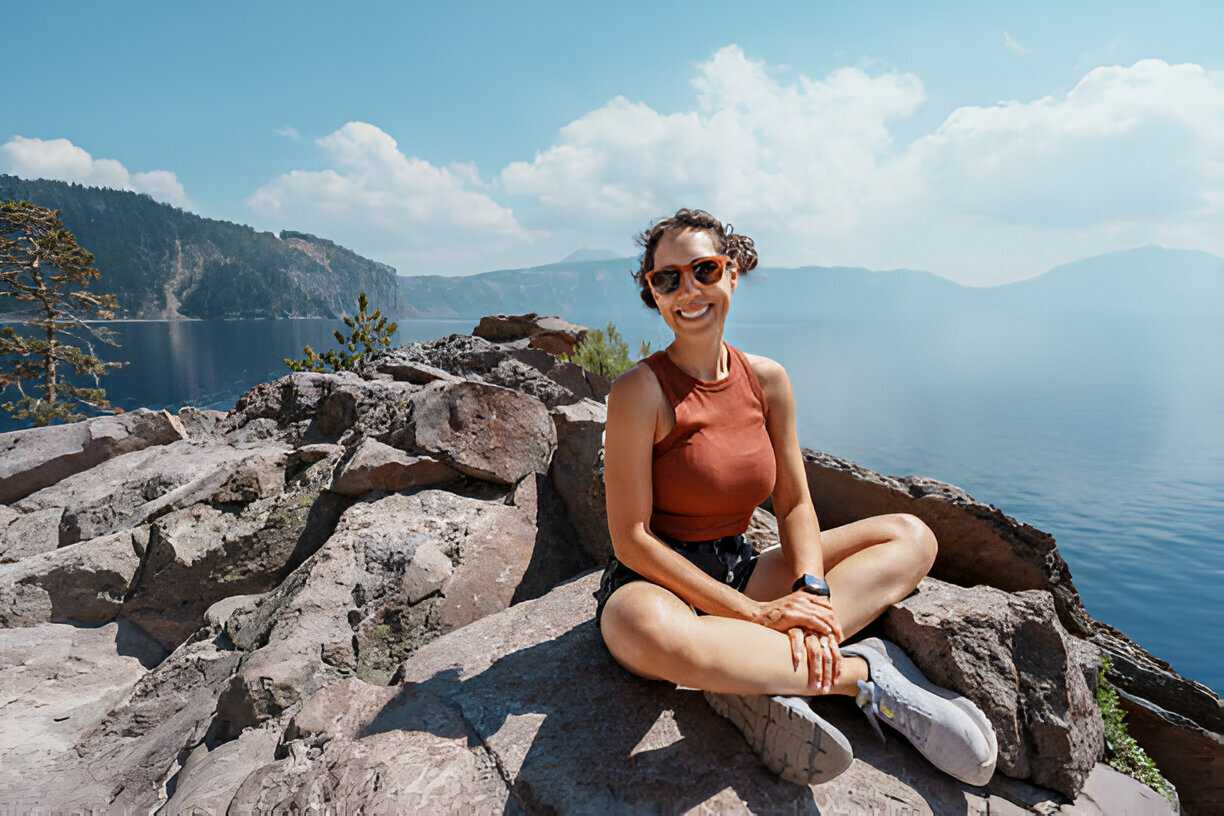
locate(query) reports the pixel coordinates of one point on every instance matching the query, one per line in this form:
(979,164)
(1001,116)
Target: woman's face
(676,247)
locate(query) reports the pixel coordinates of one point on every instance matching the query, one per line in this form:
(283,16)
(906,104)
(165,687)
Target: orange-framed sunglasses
(706,271)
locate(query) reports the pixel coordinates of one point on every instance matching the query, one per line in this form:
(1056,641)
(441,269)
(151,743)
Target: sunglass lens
(665,281)
(708,271)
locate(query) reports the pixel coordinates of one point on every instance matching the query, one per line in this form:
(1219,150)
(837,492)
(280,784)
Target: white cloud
(62,160)
(289,132)
(1011,45)
(996,193)
(394,207)
(753,149)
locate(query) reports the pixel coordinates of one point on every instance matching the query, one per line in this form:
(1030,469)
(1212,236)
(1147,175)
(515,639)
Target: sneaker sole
(910,671)
(791,739)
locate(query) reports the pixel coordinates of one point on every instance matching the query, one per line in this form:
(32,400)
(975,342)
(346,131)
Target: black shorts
(730,559)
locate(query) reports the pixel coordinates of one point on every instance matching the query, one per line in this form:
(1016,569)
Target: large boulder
(129,489)
(1009,654)
(34,458)
(548,332)
(576,472)
(486,431)
(84,583)
(373,465)
(398,570)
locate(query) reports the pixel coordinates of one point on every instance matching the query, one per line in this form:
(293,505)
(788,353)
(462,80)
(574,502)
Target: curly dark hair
(739,248)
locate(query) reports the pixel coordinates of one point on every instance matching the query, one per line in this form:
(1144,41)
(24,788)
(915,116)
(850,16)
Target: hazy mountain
(1146,280)
(163,262)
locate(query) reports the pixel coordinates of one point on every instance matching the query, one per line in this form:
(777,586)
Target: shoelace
(915,724)
(867,699)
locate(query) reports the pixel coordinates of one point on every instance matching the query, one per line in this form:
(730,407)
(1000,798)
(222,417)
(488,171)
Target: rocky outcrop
(36,457)
(548,333)
(361,587)
(1009,653)
(481,720)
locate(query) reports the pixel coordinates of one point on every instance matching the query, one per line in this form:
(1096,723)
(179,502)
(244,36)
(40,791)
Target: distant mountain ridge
(163,262)
(1145,280)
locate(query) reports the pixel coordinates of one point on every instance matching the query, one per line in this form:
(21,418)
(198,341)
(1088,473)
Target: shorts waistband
(706,545)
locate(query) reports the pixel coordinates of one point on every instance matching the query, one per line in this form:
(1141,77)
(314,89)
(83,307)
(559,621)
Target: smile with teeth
(693,315)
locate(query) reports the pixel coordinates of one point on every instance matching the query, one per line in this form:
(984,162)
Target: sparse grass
(1122,753)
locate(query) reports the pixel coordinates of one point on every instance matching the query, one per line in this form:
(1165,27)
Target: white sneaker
(946,727)
(790,738)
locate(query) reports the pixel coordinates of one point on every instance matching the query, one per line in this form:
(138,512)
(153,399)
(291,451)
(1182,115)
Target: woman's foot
(790,738)
(946,727)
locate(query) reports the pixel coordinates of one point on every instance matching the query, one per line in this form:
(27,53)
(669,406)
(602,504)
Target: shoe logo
(887,711)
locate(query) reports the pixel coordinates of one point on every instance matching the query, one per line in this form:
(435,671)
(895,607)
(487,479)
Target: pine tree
(41,263)
(371,331)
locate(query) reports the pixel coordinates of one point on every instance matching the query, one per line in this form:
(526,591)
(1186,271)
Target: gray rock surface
(26,534)
(1009,654)
(488,432)
(83,583)
(34,458)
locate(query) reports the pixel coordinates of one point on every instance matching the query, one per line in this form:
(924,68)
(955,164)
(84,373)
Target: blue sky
(983,145)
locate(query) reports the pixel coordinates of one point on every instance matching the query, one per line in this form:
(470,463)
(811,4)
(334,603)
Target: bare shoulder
(769,371)
(637,388)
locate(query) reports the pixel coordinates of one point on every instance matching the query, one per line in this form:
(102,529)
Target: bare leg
(869,564)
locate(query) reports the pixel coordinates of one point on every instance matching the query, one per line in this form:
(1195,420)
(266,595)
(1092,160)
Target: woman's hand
(821,655)
(800,609)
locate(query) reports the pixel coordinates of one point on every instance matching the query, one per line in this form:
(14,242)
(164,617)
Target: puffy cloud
(1125,144)
(754,149)
(397,208)
(62,160)
(809,168)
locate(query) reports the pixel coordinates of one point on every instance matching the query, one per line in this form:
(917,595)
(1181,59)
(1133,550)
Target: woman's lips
(698,316)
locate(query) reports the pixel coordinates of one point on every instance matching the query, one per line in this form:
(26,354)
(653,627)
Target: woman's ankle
(853,669)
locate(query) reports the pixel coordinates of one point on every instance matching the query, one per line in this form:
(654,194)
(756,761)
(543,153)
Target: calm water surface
(1106,433)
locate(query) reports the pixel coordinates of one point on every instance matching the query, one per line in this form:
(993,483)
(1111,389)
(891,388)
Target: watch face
(810,583)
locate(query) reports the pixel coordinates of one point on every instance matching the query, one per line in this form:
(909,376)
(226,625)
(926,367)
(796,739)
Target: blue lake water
(1106,432)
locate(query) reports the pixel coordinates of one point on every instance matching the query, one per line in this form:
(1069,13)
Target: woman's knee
(644,627)
(922,538)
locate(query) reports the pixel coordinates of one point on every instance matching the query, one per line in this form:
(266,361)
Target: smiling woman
(697,437)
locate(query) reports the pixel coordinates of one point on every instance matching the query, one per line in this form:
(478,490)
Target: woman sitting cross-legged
(699,434)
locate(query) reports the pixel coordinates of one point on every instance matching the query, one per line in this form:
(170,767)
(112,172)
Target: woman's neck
(702,359)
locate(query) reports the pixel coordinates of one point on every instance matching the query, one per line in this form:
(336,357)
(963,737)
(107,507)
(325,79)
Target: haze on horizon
(985,149)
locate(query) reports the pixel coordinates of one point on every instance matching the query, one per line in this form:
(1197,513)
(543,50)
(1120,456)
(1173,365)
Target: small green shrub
(371,331)
(1122,753)
(605,352)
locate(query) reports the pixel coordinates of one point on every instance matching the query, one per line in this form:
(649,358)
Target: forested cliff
(163,262)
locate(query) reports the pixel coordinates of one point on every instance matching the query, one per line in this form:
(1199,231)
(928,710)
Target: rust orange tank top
(712,470)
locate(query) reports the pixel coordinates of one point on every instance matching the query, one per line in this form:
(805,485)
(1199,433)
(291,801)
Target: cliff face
(162,262)
(374,588)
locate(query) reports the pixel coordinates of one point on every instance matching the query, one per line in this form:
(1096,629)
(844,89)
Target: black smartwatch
(811,583)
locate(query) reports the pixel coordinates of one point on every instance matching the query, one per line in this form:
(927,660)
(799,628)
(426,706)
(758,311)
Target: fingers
(827,670)
(815,661)
(798,650)
(835,651)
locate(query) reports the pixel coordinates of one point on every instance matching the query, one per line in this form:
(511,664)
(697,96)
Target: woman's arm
(798,527)
(628,446)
